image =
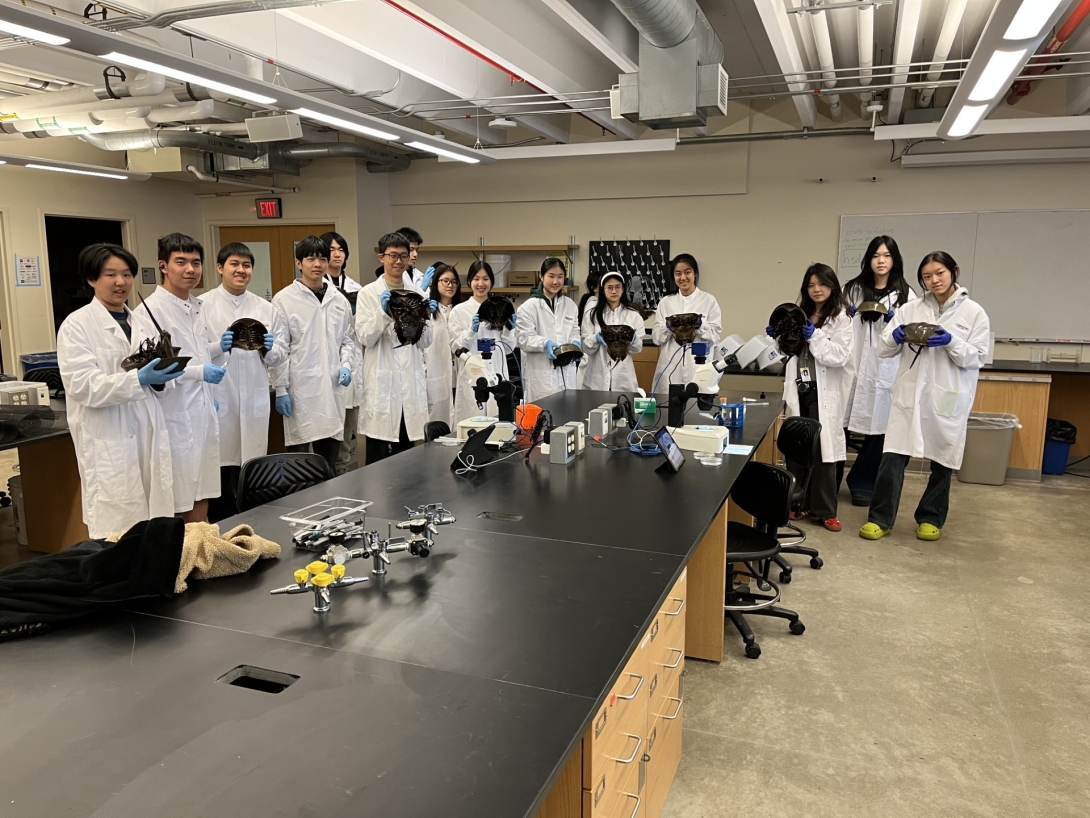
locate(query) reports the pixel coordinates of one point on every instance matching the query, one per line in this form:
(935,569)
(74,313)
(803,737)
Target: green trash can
(988,440)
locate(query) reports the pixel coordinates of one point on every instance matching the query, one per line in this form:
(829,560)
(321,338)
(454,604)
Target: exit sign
(268,209)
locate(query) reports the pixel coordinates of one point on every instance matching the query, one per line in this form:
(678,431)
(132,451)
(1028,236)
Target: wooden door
(273,247)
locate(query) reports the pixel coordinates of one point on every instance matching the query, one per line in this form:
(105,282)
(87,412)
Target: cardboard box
(521,278)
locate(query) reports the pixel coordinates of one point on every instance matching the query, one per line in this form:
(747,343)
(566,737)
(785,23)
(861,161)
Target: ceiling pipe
(22,81)
(378,161)
(146,140)
(103,108)
(142,84)
(865,38)
(669,23)
(166,19)
(765,136)
(183,113)
(251,187)
(1059,39)
(951,22)
(824,44)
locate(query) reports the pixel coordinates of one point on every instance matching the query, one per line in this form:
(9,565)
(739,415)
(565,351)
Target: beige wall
(753,247)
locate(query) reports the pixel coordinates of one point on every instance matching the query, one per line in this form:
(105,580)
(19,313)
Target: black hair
(433,292)
(593,278)
(235,248)
(600,307)
(411,235)
(943,258)
(333,236)
(674,262)
(834,304)
(393,240)
(93,258)
(173,243)
(550,263)
(862,287)
(475,268)
(311,246)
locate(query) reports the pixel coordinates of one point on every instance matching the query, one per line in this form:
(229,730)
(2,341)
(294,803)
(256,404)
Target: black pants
(934,504)
(327,447)
(864,471)
(824,478)
(224,506)
(377,450)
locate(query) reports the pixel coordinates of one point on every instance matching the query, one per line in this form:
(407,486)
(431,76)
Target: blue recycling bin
(1056,455)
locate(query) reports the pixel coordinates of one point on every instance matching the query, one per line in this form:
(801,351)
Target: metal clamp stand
(320,579)
(422,526)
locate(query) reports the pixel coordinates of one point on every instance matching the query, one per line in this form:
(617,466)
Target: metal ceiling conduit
(824,44)
(146,140)
(142,84)
(765,136)
(951,22)
(378,161)
(668,23)
(23,81)
(166,19)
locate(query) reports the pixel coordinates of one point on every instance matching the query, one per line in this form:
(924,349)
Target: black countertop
(1054,368)
(454,686)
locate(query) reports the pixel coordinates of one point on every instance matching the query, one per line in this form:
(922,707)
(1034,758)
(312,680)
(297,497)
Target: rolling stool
(799,442)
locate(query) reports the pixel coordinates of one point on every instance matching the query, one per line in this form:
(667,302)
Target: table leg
(51,495)
(704,618)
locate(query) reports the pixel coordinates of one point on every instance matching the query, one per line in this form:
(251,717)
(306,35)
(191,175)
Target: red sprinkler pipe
(1059,39)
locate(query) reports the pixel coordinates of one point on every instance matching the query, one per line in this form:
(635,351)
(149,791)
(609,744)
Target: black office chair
(434,429)
(800,442)
(763,491)
(50,376)
(273,476)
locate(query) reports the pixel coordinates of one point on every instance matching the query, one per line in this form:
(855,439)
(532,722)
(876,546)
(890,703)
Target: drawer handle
(636,808)
(679,607)
(636,752)
(639,684)
(680,656)
(677,712)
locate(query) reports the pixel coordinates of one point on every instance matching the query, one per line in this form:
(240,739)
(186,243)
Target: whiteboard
(1029,269)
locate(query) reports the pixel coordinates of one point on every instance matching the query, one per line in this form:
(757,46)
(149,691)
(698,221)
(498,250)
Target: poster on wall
(28,271)
(642,261)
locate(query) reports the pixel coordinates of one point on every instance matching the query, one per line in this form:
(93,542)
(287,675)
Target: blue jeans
(934,504)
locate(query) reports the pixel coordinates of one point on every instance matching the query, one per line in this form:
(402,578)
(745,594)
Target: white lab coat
(316,335)
(462,336)
(118,428)
(868,403)
(394,380)
(681,365)
(831,346)
(189,406)
(932,400)
(353,393)
(243,394)
(601,371)
(538,323)
(440,369)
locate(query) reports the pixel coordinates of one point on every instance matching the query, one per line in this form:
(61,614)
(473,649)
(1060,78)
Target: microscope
(481,373)
(705,388)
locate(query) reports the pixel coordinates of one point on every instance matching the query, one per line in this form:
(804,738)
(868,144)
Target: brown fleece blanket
(207,554)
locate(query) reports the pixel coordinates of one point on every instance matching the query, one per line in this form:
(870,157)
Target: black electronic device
(674,457)
(475,453)
(680,395)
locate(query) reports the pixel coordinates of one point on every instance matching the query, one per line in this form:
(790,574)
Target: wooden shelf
(498,248)
(525,290)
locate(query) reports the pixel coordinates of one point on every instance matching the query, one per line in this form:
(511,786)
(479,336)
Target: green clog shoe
(928,532)
(873,531)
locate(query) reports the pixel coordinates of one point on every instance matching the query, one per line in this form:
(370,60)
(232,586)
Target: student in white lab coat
(243,394)
(349,288)
(882,279)
(314,319)
(421,279)
(465,330)
(546,320)
(932,396)
(446,288)
(816,385)
(190,405)
(118,428)
(609,308)
(675,361)
(395,389)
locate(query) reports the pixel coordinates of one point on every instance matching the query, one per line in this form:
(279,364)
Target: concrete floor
(934,679)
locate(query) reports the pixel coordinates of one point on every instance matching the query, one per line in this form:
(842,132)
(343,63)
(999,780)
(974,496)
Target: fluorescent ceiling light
(996,75)
(583,149)
(473,160)
(185,76)
(74,170)
(31,34)
(967,120)
(1030,18)
(346,124)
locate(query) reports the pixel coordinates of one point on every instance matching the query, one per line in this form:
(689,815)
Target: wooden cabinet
(1027,396)
(644,361)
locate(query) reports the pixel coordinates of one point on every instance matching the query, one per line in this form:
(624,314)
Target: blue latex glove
(770,331)
(269,341)
(513,321)
(283,405)
(852,310)
(216,404)
(578,343)
(213,373)
(475,324)
(808,330)
(425,282)
(148,375)
(899,334)
(345,376)
(940,338)
(598,337)
(550,349)
(384,301)
(433,305)
(889,315)
(227,340)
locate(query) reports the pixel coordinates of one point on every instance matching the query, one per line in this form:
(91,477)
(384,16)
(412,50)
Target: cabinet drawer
(672,612)
(617,799)
(663,752)
(614,742)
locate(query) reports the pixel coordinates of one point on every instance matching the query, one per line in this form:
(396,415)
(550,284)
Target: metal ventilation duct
(680,81)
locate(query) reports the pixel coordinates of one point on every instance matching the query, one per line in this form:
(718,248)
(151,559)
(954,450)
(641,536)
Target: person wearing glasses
(395,392)
(445,290)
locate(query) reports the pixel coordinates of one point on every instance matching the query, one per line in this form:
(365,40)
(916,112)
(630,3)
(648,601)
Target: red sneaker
(831,523)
